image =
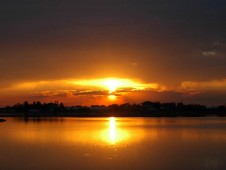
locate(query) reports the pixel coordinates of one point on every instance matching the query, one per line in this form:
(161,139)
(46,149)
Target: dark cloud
(42,20)
(45,94)
(90,92)
(118,92)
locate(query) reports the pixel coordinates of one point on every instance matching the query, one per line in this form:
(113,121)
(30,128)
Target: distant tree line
(145,109)
(35,108)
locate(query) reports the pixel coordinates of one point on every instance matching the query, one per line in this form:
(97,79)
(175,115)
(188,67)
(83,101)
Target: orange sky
(107,91)
(167,51)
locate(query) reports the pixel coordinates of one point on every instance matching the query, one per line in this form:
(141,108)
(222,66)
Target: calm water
(113,143)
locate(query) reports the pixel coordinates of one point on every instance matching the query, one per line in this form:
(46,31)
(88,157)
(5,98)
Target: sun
(112,85)
(112,97)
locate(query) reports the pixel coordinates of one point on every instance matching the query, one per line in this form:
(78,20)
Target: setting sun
(79,91)
(112,97)
(112,85)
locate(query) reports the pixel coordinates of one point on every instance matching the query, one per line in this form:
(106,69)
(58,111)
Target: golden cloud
(67,87)
(213,85)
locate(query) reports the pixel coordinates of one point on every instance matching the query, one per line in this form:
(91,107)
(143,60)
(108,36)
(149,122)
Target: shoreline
(99,116)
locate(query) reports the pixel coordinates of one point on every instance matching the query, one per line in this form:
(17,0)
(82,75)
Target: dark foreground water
(113,143)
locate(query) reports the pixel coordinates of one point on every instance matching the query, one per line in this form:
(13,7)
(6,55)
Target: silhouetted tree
(26,106)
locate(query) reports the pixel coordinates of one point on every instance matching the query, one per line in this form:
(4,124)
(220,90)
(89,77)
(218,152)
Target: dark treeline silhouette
(145,109)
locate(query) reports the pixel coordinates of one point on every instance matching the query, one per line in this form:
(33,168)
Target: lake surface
(113,143)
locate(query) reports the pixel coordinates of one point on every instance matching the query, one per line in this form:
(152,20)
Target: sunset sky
(110,51)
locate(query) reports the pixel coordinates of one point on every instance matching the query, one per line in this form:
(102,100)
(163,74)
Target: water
(113,143)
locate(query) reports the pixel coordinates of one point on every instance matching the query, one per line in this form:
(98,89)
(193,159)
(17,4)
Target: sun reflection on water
(112,129)
(113,134)
(100,131)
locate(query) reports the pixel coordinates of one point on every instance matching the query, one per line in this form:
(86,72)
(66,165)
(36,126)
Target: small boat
(2,120)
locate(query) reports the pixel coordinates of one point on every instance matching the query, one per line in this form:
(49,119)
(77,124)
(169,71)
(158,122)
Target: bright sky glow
(112,97)
(94,52)
(113,84)
(76,91)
